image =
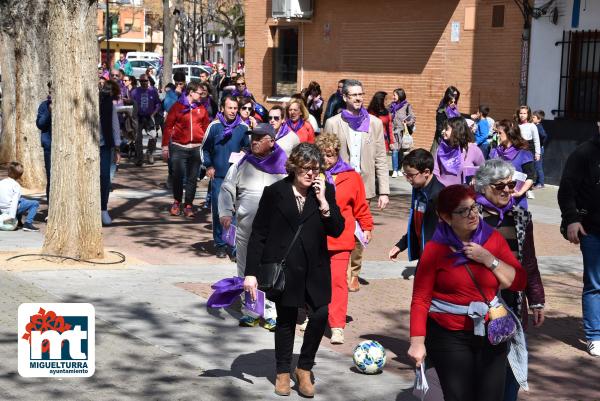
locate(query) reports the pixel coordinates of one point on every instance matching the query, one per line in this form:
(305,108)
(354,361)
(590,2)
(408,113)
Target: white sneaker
(337,336)
(530,195)
(593,347)
(395,174)
(106,220)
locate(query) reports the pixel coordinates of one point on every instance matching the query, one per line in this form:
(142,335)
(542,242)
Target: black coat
(307,265)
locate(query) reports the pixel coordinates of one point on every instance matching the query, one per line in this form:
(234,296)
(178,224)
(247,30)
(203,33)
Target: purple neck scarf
(273,163)
(449,158)
(483,201)
(295,126)
(507,153)
(244,93)
(452,112)
(226,291)
(183,99)
(358,123)
(444,234)
(339,167)
(228,127)
(395,106)
(283,131)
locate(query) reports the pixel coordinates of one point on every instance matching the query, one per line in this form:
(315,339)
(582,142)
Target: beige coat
(373,157)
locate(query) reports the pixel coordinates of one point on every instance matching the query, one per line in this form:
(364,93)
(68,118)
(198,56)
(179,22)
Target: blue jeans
(27,206)
(395,161)
(186,162)
(106,157)
(539,168)
(215,188)
(590,248)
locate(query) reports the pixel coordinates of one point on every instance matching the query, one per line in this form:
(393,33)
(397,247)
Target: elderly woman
(465,262)
(298,121)
(494,185)
(303,205)
(351,199)
(457,153)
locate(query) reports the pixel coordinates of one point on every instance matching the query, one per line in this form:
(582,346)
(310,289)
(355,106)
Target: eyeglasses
(355,94)
(247,108)
(466,212)
(276,118)
(410,176)
(143,80)
(240,84)
(501,185)
(306,170)
(115,75)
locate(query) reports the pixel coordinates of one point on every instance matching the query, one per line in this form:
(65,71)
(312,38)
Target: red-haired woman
(298,121)
(465,262)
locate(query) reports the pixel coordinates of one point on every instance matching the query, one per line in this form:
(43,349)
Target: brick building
(422,46)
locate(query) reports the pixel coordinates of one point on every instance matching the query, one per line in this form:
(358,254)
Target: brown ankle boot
(282,384)
(305,385)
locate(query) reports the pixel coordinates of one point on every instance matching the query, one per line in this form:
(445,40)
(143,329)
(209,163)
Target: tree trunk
(7,64)
(74,226)
(169,21)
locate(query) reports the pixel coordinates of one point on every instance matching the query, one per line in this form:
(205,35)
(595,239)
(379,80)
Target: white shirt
(529,132)
(354,145)
(10,192)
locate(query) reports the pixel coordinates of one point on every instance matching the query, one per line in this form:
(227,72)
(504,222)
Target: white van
(147,56)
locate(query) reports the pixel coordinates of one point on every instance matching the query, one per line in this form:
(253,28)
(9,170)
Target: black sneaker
(30,227)
(221,252)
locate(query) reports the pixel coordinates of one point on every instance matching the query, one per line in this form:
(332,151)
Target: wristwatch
(495,263)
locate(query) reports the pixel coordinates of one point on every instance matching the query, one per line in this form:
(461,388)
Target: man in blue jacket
(227,134)
(44,124)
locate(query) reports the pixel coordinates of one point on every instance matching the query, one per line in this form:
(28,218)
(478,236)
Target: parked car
(191,71)
(139,67)
(148,56)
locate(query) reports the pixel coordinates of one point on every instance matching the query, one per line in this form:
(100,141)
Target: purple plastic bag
(229,235)
(501,329)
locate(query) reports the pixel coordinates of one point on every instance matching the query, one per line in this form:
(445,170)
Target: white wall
(544,63)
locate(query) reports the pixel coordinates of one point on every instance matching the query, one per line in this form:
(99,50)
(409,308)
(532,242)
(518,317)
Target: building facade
(422,46)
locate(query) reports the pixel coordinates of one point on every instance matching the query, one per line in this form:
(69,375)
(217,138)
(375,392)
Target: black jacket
(307,265)
(579,191)
(430,220)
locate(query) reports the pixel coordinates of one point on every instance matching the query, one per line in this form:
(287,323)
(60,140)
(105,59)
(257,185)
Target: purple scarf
(444,234)
(273,163)
(358,123)
(228,127)
(483,201)
(226,291)
(505,153)
(395,106)
(452,112)
(449,159)
(295,126)
(244,93)
(339,167)
(183,99)
(283,131)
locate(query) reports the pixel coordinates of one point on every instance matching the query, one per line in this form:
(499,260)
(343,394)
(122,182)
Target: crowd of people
(298,182)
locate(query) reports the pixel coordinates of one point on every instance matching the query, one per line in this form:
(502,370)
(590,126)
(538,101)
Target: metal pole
(194,35)
(108,37)
(202,32)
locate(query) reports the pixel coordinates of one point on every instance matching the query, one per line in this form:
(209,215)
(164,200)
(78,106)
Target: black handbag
(271,276)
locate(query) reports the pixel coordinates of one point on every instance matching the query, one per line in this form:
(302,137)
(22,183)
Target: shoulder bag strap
(291,244)
(476,284)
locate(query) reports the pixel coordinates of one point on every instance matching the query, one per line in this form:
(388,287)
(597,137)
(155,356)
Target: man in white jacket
(12,205)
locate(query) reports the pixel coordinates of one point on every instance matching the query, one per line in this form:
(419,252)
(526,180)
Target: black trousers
(186,163)
(469,367)
(286,330)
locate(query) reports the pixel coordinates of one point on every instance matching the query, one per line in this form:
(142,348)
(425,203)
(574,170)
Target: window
(498,16)
(579,93)
(285,61)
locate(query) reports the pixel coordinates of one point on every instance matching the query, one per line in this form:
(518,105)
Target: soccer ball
(369,357)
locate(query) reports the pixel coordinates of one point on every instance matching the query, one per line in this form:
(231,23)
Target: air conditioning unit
(292,9)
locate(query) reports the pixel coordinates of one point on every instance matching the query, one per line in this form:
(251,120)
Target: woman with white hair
(495,186)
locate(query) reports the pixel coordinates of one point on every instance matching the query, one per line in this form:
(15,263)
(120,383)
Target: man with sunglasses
(148,105)
(284,136)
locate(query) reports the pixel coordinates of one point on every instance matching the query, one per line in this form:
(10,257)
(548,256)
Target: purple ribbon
(228,127)
(358,123)
(295,126)
(273,163)
(226,291)
(504,153)
(483,201)
(449,158)
(452,112)
(395,106)
(339,167)
(444,234)
(283,131)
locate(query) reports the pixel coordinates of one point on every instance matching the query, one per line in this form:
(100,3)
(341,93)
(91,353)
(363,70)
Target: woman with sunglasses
(494,186)
(284,136)
(247,111)
(463,251)
(515,150)
(241,90)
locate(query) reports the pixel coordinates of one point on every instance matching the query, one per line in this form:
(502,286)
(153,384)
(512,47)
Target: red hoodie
(185,127)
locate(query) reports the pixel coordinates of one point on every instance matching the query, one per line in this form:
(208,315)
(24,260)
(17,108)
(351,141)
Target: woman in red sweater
(470,368)
(298,121)
(351,199)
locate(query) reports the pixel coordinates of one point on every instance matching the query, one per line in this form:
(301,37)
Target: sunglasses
(501,185)
(467,211)
(276,118)
(115,75)
(240,84)
(247,108)
(143,80)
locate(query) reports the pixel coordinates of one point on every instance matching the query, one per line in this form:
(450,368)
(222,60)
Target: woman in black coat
(301,198)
